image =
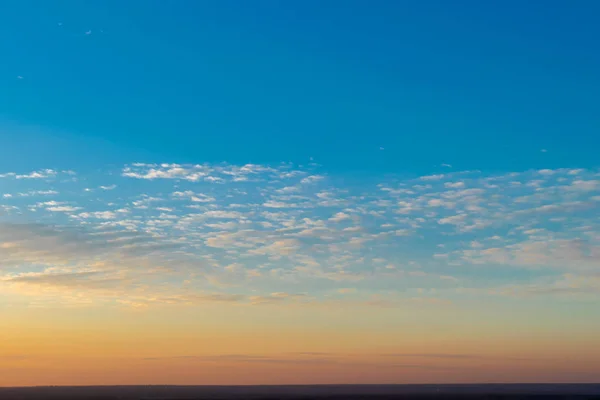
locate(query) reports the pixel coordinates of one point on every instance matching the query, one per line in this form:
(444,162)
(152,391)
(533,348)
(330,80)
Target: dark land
(312,392)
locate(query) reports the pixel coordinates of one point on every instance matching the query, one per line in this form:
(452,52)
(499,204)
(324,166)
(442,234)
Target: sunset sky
(281,192)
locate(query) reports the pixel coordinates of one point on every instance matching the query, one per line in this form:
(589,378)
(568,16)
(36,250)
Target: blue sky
(405,112)
(475,85)
(307,187)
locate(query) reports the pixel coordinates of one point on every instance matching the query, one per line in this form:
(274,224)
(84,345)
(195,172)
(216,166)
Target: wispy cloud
(258,228)
(433,355)
(250,358)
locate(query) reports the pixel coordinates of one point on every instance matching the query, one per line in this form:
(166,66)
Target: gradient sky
(229,192)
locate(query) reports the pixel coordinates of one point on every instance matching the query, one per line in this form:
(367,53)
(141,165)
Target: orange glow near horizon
(135,348)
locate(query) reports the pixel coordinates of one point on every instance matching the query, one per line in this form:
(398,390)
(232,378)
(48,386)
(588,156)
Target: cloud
(279,247)
(453,220)
(109,187)
(223,214)
(249,358)
(41,174)
(279,226)
(433,355)
(98,215)
(64,209)
(169,172)
(32,193)
(201,298)
(552,253)
(582,285)
(76,279)
(52,246)
(275,298)
(206,172)
(339,217)
(587,186)
(454,185)
(312,179)
(432,177)
(300,358)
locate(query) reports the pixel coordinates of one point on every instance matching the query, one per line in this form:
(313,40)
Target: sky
(283,192)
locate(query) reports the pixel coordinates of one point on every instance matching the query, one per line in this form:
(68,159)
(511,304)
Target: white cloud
(547,172)
(109,187)
(42,174)
(65,209)
(340,217)
(454,220)
(98,214)
(454,185)
(312,179)
(202,198)
(432,177)
(282,247)
(223,214)
(275,229)
(587,186)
